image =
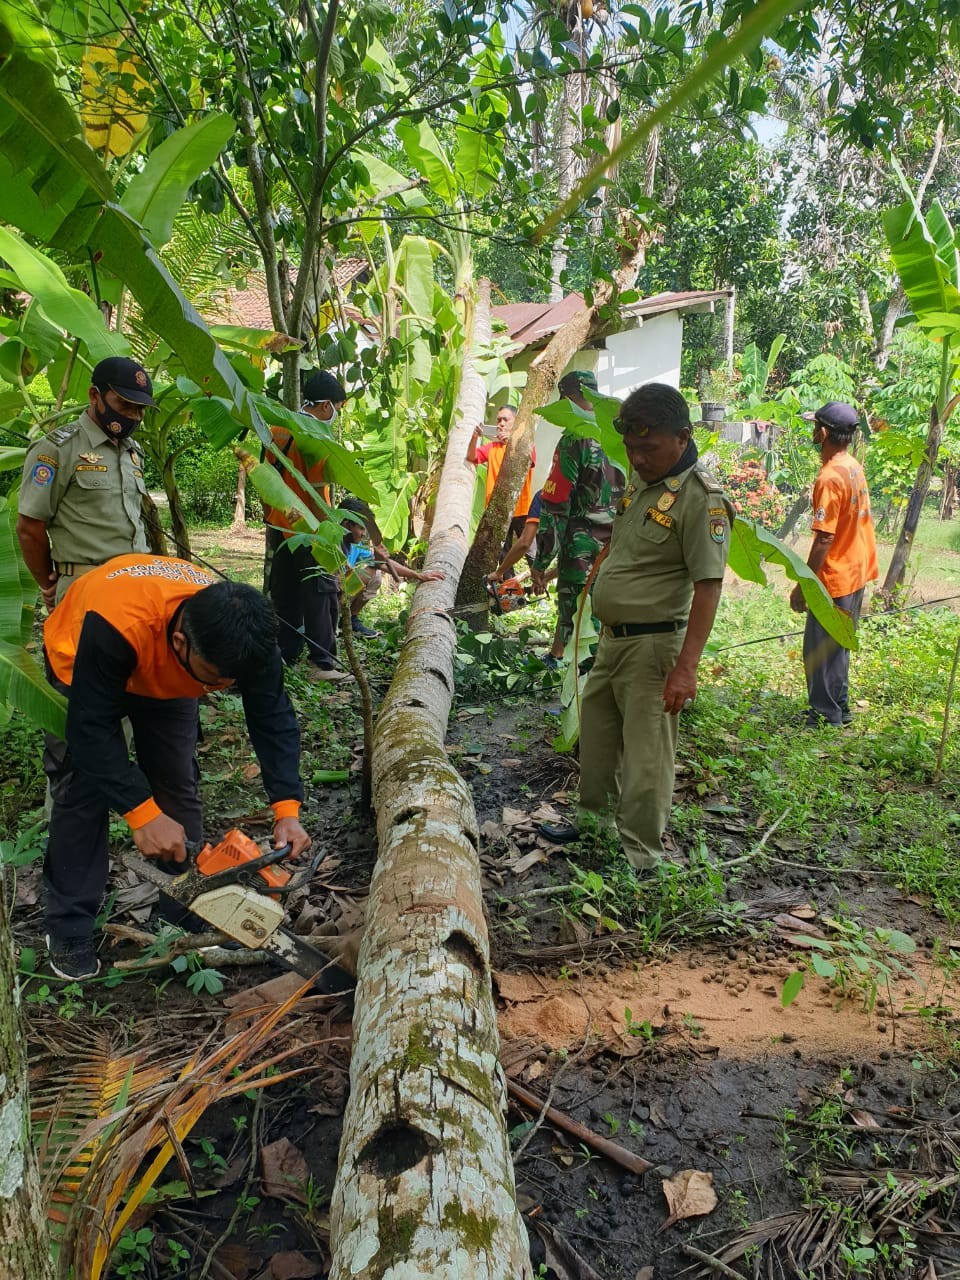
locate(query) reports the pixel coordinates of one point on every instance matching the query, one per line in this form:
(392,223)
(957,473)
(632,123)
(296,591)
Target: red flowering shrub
(752,494)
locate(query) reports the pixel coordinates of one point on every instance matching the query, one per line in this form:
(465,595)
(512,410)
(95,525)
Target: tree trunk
(729,313)
(918,495)
(948,499)
(24,1247)
(239,522)
(156,542)
(891,315)
(425,1184)
(569,135)
(178,520)
(793,515)
(542,377)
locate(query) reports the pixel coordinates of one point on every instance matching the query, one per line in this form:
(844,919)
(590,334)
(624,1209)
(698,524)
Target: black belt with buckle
(624,629)
(67,568)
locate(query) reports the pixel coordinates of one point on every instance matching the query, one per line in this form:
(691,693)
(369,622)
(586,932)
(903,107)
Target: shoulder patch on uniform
(63,434)
(709,481)
(43,457)
(718,511)
(718,529)
(43,473)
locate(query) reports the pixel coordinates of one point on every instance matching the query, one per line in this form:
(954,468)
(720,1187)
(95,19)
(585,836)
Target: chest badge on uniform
(658,517)
(627,498)
(91,457)
(672,483)
(718,530)
(666,501)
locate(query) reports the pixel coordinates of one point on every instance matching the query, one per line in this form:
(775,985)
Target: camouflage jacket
(580,495)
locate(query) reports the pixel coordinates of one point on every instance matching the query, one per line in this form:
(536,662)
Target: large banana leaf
(423,150)
(478,155)
(24,687)
(69,203)
(114,95)
(924,251)
(155,195)
(18,591)
(258,342)
(51,184)
(415,277)
(576,422)
(65,306)
(751,544)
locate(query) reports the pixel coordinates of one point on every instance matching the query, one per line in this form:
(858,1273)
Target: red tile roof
(250,306)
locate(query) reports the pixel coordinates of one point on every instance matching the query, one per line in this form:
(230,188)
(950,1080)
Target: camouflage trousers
(573,568)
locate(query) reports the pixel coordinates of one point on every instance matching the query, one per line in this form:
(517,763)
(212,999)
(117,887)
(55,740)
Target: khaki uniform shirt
(88,492)
(666,536)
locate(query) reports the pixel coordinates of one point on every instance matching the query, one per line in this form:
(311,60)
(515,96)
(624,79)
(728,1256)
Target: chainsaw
(507,595)
(239,891)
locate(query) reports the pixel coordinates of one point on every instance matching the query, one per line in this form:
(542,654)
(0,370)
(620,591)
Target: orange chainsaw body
(233,851)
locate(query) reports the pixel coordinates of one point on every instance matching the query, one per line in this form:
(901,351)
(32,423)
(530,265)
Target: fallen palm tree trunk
(425,1185)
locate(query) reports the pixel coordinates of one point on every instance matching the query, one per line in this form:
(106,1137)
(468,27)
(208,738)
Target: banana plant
(925,249)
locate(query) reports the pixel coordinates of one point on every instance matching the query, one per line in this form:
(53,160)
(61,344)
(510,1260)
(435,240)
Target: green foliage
(858,959)
(489,663)
(900,415)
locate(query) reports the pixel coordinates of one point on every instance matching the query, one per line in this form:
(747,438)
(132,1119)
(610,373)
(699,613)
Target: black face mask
(117,425)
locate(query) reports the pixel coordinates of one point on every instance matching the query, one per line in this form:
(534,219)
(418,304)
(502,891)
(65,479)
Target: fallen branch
(214,957)
(710,1261)
(560,1120)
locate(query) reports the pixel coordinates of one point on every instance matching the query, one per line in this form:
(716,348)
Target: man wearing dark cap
(81,497)
(577,505)
(656,595)
(843,556)
(307,600)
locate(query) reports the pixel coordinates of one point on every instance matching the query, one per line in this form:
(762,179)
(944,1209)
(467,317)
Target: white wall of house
(649,352)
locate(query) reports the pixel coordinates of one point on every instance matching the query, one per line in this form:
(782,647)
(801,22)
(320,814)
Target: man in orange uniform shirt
(843,556)
(492,455)
(143,637)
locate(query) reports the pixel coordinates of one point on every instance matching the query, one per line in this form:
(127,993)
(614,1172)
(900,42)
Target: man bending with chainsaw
(144,637)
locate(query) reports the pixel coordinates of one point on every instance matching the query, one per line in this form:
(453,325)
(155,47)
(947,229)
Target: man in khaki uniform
(81,496)
(656,594)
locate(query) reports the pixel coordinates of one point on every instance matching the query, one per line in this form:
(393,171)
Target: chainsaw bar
(304,958)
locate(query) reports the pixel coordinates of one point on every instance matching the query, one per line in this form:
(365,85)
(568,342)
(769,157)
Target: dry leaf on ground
(864,1120)
(561,1255)
(237,1260)
(645,1273)
(689,1194)
(291,1265)
(285,1172)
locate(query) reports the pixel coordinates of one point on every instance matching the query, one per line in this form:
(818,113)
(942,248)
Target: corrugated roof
(530,324)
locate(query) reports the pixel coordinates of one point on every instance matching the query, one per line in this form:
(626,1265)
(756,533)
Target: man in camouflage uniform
(81,497)
(577,508)
(656,594)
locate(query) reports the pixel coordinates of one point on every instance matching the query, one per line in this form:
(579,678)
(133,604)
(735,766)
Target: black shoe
(559,832)
(73,958)
(360,630)
(550,662)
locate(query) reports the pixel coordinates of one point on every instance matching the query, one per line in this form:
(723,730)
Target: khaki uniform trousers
(628,743)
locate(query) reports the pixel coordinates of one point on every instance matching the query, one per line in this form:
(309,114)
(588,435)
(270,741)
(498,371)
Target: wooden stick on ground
(560,1120)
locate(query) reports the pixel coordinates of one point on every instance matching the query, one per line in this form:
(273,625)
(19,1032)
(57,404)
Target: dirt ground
(707,1072)
(776,1129)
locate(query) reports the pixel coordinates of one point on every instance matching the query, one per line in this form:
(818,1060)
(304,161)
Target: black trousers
(76,865)
(304,597)
(827,666)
